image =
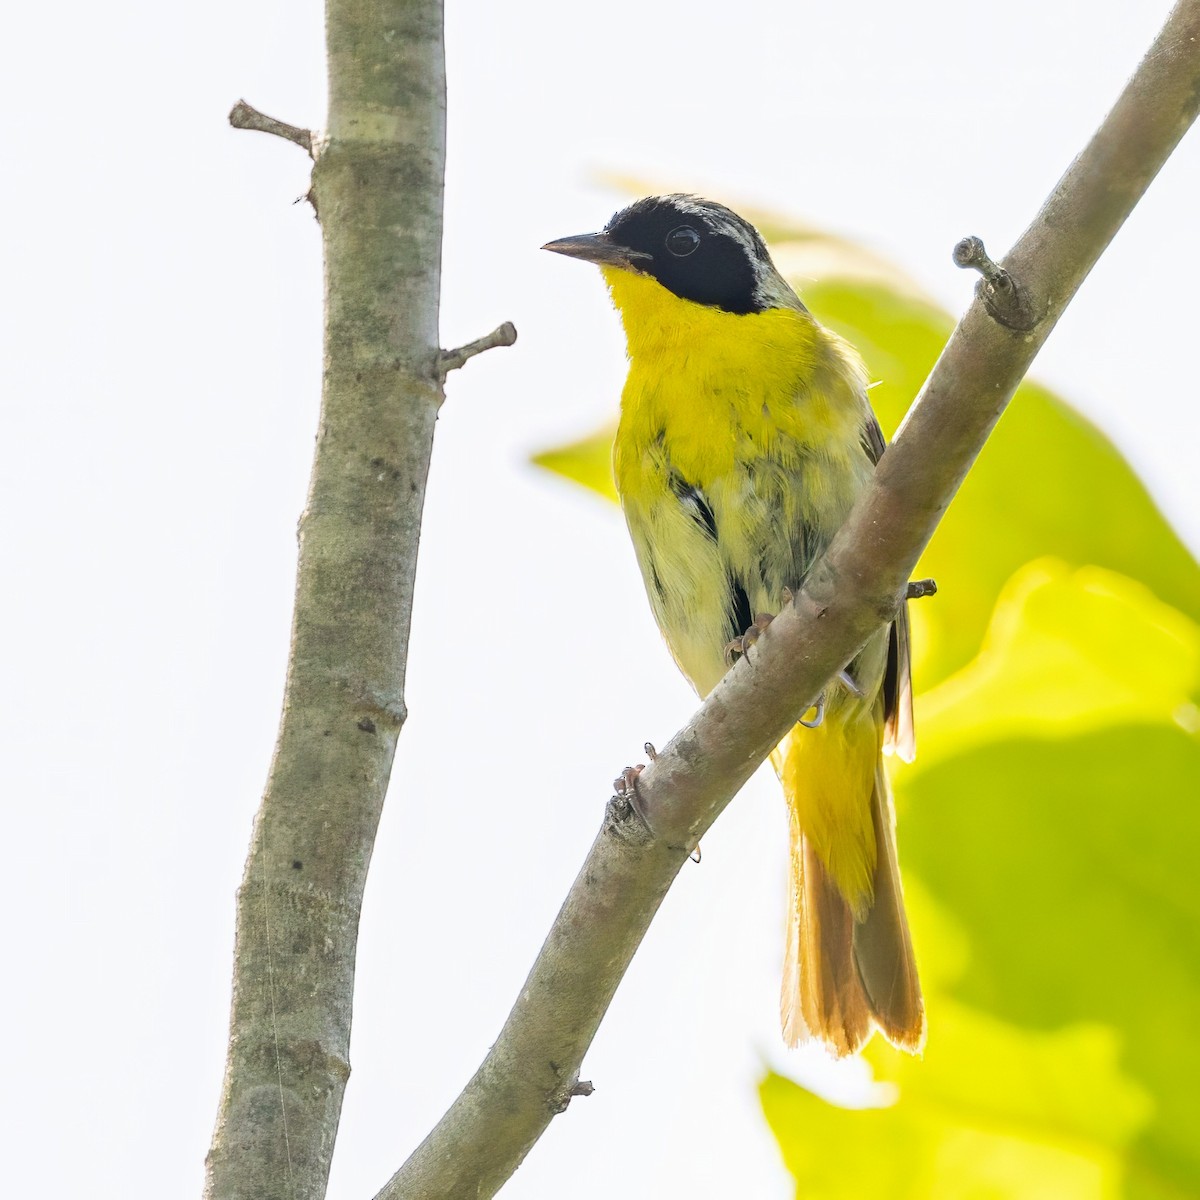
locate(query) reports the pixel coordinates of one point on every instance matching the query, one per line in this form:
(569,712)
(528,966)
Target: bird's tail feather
(882,947)
(822,996)
(848,970)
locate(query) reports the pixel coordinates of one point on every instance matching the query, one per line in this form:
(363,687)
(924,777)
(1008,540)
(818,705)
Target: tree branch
(378,180)
(533,1066)
(502,335)
(245,116)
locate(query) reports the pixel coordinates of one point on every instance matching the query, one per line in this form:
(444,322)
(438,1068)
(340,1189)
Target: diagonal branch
(532,1070)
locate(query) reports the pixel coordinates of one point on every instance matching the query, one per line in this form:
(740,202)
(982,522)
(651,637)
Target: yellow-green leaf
(1055,814)
(1048,832)
(989,1111)
(1067,651)
(587,461)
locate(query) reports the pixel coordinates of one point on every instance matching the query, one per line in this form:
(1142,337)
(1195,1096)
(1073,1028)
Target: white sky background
(159,363)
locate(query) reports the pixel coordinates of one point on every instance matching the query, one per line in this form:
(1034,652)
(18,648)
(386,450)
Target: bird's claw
(740,646)
(850,683)
(626,788)
(625,784)
(816,721)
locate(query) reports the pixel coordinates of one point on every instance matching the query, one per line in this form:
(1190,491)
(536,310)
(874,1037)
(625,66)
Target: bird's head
(697,249)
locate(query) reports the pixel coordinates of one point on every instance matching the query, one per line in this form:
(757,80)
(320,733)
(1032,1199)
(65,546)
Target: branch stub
(1002,296)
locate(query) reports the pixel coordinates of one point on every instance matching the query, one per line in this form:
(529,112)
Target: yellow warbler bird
(745,437)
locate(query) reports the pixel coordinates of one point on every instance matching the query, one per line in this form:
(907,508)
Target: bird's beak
(600,249)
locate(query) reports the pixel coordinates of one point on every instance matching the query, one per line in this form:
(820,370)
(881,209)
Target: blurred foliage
(1049,827)
(1052,823)
(989,1111)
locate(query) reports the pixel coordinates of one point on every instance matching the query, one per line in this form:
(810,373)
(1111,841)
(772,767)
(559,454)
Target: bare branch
(379,170)
(502,335)
(856,585)
(918,589)
(245,116)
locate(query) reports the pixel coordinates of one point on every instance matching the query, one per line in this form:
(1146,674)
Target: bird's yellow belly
(718,546)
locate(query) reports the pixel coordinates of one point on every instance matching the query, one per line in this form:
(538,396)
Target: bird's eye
(682,241)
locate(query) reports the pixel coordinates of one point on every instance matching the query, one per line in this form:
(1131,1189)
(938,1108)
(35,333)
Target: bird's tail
(849,965)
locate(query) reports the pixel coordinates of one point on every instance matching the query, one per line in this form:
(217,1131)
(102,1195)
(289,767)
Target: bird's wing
(899,735)
(695,503)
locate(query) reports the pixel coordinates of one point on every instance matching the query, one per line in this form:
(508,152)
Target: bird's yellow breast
(722,387)
(762,415)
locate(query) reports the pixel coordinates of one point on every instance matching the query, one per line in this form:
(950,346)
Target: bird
(745,436)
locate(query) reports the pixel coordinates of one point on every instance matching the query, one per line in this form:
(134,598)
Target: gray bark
(377,187)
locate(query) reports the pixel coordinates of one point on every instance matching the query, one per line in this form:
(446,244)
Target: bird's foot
(849,683)
(814,721)
(740,646)
(626,788)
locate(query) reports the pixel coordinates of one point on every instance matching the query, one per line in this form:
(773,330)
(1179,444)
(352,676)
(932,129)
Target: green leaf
(587,461)
(1071,865)
(1048,833)
(1054,812)
(989,1111)
(1066,651)
(1047,483)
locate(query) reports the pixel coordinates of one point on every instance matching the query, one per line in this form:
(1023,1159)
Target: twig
(502,335)
(246,116)
(857,584)
(918,589)
(970,254)
(1005,300)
